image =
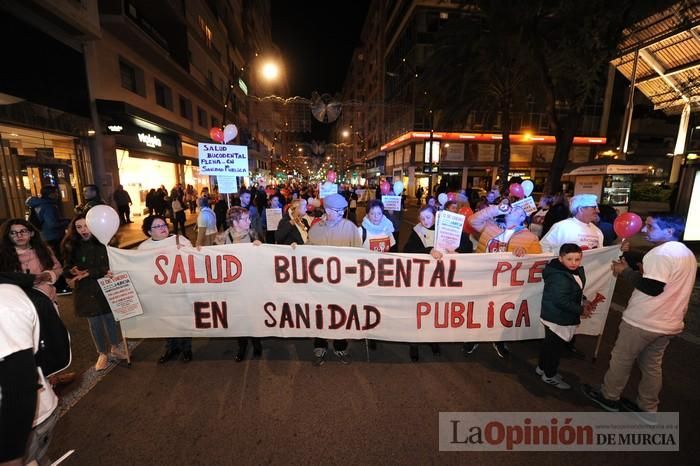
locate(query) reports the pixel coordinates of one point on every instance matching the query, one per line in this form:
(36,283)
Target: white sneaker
(102,362)
(556,381)
(540,372)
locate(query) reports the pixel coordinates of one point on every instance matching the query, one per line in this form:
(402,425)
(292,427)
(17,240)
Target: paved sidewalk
(130,235)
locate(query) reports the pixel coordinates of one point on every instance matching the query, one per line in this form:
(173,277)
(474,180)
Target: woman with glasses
(23,250)
(86,260)
(159,237)
(238,232)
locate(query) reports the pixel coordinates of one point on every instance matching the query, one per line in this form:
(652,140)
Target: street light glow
(270,71)
(346,133)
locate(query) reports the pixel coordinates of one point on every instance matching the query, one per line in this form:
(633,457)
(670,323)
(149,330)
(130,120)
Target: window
(185,108)
(164,96)
(206,32)
(131,77)
(214,122)
(201,117)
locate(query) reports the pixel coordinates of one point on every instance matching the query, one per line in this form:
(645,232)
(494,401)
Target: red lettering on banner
(313,264)
(403,273)
(500,268)
(192,271)
(421,269)
(297,276)
(385,271)
(438,274)
(457,315)
(281,266)
(367,272)
(269,308)
(536,268)
(505,308)
(201,315)
(470,316)
(178,270)
(218,314)
(300,317)
(451,275)
(232,260)
(210,276)
(422,309)
(514,275)
(163,278)
(333,265)
(523,315)
(489,321)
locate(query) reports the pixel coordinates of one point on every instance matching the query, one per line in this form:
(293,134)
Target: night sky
(317,39)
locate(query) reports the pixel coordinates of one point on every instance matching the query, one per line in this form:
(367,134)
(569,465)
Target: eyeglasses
(22,232)
(159,226)
(337,211)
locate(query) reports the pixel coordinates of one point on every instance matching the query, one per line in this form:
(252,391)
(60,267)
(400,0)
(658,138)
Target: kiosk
(611,183)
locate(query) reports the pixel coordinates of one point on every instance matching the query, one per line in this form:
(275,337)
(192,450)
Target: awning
(609,169)
(668,65)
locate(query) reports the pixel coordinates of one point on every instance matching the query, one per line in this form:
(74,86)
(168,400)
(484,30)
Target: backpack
(54,352)
(34,218)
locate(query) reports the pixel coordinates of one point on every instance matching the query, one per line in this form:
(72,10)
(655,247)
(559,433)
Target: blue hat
(335,201)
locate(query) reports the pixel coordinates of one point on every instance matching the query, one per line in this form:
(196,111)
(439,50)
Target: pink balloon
(385,187)
(331,176)
(451,196)
(216,134)
(627,225)
(516,190)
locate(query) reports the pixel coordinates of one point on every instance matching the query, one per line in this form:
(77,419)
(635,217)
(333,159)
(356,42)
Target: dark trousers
(550,353)
(179,223)
(19,397)
(55,245)
(243,344)
(338,345)
(179,344)
(124,212)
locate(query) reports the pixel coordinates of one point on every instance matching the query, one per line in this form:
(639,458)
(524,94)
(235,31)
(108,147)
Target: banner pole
(126,346)
(597,346)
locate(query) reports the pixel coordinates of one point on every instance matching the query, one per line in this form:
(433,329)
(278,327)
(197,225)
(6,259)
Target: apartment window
(206,32)
(201,117)
(214,122)
(185,108)
(164,96)
(131,77)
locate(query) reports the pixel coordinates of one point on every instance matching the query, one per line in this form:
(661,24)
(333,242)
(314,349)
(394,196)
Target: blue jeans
(98,325)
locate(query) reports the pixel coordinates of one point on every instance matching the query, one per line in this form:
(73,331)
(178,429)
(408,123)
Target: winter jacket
(562,297)
(53,225)
(88,297)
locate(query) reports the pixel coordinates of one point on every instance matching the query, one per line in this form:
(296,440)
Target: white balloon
(103,222)
(398,188)
(230,132)
(527,186)
(442,198)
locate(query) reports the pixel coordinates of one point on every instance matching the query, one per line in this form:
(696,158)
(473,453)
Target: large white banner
(270,290)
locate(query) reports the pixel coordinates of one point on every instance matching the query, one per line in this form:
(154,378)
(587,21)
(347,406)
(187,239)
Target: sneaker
(319,357)
(102,362)
(540,372)
(344,357)
(469,348)
(597,397)
(501,349)
(556,381)
(647,417)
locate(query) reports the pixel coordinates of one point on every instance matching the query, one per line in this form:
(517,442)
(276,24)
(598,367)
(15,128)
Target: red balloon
(627,225)
(451,196)
(385,187)
(216,134)
(516,190)
(331,176)
(467,212)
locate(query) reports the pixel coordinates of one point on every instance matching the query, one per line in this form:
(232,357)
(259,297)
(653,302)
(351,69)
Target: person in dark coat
(557,212)
(91,193)
(123,200)
(293,229)
(85,260)
(563,305)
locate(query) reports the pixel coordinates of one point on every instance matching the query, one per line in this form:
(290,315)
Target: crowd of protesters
(61,254)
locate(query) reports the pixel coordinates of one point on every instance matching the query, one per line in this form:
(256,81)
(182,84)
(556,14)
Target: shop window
(201,117)
(185,108)
(164,96)
(131,77)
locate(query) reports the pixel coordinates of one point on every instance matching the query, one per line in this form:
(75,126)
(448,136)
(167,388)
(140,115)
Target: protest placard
(327,189)
(222,159)
(448,230)
(273,217)
(121,296)
(527,204)
(227,184)
(392,203)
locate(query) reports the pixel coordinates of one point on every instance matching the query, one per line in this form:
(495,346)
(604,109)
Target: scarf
(385,227)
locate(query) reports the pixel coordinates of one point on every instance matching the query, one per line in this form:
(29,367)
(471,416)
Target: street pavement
(380,409)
